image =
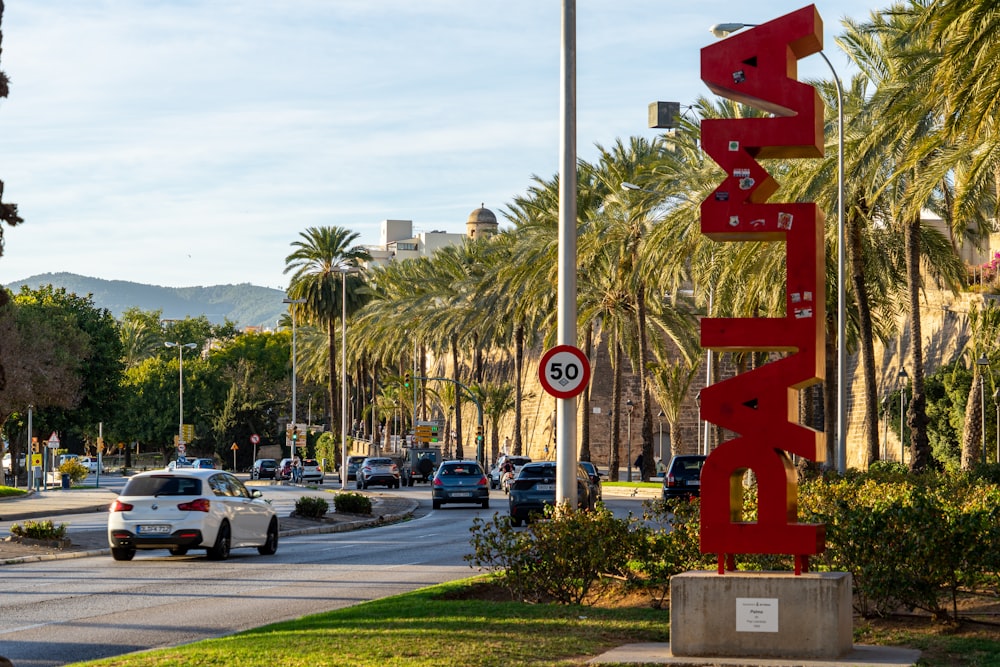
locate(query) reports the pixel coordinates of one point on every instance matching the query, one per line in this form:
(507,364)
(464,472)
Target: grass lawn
(10,492)
(424,628)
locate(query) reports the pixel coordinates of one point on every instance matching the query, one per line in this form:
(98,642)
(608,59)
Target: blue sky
(189,142)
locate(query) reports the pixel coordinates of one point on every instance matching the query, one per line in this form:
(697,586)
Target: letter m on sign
(758,67)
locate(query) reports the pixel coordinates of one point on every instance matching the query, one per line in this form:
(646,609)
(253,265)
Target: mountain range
(244,304)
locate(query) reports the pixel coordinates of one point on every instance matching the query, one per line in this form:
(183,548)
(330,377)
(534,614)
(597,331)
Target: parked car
(379,471)
(682,478)
(190,508)
(91,463)
(496,471)
(595,480)
(353,462)
(312,471)
(179,462)
(534,487)
(459,482)
(264,469)
(205,464)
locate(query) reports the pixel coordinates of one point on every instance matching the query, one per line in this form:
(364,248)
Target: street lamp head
(721,30)
(902,374)
(983,360)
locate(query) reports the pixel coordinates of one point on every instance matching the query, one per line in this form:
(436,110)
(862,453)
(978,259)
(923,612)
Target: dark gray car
(460,482)
(682,478)
(535,487)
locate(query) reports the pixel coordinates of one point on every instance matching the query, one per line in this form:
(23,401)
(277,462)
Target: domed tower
(482,222)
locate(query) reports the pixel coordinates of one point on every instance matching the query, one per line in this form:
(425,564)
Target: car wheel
(220,550)
(122,553)
(178,551)
(271,544)
(396,485)
(515,521)
(436,504)
(486,504)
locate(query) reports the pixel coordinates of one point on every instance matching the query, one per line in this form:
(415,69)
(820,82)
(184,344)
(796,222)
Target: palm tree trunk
(648,466)
(972,433)
(867,336)
(585,398)
(616,399)
(518,387)
(920,450)
(332,342)
(458,397)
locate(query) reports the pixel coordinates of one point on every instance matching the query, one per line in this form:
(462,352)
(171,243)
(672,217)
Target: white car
(190,508)
(90,463)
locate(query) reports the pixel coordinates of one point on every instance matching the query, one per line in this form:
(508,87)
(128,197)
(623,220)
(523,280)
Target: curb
(339,527)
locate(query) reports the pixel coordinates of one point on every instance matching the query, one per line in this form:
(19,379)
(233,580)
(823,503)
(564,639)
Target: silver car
(378,470)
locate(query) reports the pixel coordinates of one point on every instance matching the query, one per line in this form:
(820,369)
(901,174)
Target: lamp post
(697,401)
(344,270)
(885,436)
(982,362)
(295,424)
(721,30)
(628,462)
(902,399)
(996,425)
(180,385)
(659,441)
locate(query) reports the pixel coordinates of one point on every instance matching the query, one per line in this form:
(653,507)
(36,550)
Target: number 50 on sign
(564,371)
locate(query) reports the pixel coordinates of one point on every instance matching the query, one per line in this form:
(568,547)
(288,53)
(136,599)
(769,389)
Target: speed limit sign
(564,371)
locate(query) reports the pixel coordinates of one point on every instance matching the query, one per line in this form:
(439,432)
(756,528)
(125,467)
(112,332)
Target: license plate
(694,482)
(461,494)
(545,487)
(153,529)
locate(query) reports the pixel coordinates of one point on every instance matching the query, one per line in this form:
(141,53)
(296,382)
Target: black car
(535,487)
(682,478)
(264,469)
(595,479)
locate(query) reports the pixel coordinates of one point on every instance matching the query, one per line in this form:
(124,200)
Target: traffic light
(295,432)
(34,446)
(406,381)
(479,432)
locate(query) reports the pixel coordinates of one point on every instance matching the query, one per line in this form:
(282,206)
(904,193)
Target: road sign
(234,447)
(564,371)
(53,442)
(254,439)
(181,448)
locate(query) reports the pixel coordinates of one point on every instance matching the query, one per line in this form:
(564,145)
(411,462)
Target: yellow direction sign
(234,447)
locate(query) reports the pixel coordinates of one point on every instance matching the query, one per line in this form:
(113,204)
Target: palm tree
(317,261)
(984,331)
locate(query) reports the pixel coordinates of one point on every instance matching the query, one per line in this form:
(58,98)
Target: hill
(244,304)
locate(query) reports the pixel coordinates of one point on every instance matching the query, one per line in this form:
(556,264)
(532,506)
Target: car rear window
(537,471)
(162,485)
(686,468)
(461,469)
(380,462)
(310,462)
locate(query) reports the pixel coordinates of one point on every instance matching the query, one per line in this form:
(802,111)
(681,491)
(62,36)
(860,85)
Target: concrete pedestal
(761,614)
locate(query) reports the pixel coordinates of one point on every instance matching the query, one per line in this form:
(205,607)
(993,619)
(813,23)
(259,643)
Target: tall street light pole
(295,423)
(344,270)
(902,399)
(180,385)
(721,30)
(566,445)
(629,405)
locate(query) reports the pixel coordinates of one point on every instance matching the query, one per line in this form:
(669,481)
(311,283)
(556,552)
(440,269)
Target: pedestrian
(296,470)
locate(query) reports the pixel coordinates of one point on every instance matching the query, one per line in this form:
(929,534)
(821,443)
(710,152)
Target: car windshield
(162,485)
(461,470)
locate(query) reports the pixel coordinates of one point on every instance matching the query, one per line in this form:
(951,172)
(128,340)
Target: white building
(397,240)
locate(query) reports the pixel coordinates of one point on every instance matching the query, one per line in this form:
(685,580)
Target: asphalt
(389,509)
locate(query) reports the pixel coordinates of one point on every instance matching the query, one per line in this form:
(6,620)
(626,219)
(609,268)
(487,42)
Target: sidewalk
(385,509)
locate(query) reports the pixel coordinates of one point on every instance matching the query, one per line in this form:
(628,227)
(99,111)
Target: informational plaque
(756,614)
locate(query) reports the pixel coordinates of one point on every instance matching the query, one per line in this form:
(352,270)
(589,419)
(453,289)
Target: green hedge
(908,541)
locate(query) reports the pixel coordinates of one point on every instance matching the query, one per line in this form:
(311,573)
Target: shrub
(559,558)
(352,503)
(311,507)
(77,471)
(668,551)
(39,530)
